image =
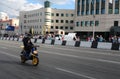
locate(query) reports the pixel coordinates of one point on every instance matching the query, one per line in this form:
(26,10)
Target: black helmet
(28,35)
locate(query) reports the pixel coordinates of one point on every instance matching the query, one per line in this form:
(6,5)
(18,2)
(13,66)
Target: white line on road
(60,69)
(85,58)
(8,54)
(80,57)
(74,73)
(3,47)
(89,52)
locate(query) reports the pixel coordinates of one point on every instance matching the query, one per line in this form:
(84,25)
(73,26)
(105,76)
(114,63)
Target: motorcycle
(33,56)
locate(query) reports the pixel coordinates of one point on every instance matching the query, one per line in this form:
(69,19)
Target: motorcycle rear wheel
(35,61)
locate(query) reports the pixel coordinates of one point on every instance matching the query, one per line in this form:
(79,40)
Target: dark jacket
(27,43)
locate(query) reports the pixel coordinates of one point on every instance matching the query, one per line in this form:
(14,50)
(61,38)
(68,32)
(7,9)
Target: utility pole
(93,24)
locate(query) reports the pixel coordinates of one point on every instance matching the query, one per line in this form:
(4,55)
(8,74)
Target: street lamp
(93,27)
(93,24)
(21,28)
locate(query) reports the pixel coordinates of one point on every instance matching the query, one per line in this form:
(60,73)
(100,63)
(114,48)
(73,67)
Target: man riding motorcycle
(28,45)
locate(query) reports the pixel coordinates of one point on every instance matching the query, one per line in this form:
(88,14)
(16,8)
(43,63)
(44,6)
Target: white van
(69,37)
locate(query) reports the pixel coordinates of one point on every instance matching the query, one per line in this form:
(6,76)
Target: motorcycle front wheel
(35,61)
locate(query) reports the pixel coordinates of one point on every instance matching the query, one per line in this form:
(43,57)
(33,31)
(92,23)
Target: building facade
(97,17)
(47,20)
(9,22)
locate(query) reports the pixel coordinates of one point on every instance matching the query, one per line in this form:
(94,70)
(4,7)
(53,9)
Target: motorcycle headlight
(35,52)
(22,46)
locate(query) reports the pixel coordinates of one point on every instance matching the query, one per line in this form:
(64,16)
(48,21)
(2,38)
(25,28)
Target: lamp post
(93,27)
(0,29)
(21,28)
(93,24)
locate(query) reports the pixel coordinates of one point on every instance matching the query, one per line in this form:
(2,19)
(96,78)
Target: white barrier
(39,41)
(70,43)
(104,45)
(85,44)
(101,45)
(47,41)
(59,42)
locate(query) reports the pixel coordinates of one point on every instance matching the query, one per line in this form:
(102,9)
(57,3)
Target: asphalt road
(59,62)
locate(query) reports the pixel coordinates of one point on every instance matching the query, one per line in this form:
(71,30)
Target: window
(110,11)
(47,13)
(71,21)
(52,27)
(40,20)
(67,15)
(66,27)
(97,11)
(78,8)
(25,16)
(24,27)
(41,13)
(103,0)
(96,23)
(62,21)
(87,12)
(82,13)
(66,21)
(83,6)
(78,2)
(92,1)
(62,14)
(52,21)
(52,14)
(87,2)
(61,27)
(83,1)
(103,11)
(116,0)
(57,14)
(92,12)
(97,0)
(116,11)
(77,24)
(115,23)
(91,23)
(57,21)
(103,7)
(47,20)
(78,13)
(82,23)
(97,6)
(40,27)
(71,28)
(116,7)
(86,23)
(72,15)
(87,7)
(56,27)
(25,21)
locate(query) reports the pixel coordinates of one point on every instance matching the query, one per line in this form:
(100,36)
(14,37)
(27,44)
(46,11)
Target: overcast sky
(12,7)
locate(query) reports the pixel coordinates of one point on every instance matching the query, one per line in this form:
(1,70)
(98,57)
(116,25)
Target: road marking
(89,52)
(67,55)
(3,47)
(80,57)
(74,56)
(85,58)
(8,54)
(74,73)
